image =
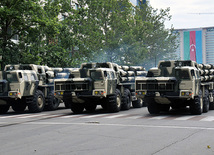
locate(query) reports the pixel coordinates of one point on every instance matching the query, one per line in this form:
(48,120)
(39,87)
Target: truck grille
(68,86)
(155,86)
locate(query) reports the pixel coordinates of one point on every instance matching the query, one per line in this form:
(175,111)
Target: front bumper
(166,97)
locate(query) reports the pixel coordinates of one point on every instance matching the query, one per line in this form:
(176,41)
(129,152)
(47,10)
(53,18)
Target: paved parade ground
(128,132)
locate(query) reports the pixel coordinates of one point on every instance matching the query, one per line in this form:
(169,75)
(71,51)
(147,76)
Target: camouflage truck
(105,84)
(177,84)
(27,85)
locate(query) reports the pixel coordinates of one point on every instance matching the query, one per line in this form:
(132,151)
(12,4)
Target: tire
(104,103)
(77,108)
(90,107)
(206,102)
(114,102)
(19,106)
(138,103)
(153,107)
(126,100)
(196,107)
(52,102)
(164,107)
(67,104)
(38,102)
(4,109)
(178,104)
(211,107)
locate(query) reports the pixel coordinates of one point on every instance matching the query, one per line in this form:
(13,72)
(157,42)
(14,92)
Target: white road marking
(115,116)
(108,116)
(70,116)
(14,116)
(134,117)
(33,115)
(183,118)
(159,117)
(121,125)
(208,118)
(97,115)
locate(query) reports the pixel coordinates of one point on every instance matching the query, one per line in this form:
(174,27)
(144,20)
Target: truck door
(196,81)
(107,82)
(114,82)
(33,83)
(41,75)
(26,85)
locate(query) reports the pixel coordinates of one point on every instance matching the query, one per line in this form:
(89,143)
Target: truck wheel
(104,103)
(4,109)
(138,103)
(153,107)
(19,106)
(164,107)
(211,107)
(90,107)
(206,104)
(114,102)
(196,107)
(77,108)
(38,102)
(67,104)
(126,100)
(52,102)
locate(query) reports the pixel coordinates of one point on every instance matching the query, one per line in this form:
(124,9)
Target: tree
(17,18)
(113,18)
(54,33)
(38,26)
(160,43)
(131,36)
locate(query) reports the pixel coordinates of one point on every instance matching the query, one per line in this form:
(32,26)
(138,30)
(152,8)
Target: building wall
(209,45)
(196,44)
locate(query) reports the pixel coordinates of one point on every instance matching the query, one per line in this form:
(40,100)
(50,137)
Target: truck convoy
(106,84)
(177,84)
(27,85)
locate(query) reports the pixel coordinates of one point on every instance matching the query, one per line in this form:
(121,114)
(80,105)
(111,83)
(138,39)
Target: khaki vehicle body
(97,83)
(176,84)
(28,85)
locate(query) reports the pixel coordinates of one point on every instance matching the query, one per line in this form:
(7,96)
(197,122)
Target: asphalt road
(128,133)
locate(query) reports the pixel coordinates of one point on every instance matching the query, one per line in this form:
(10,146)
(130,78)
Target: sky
(187,13)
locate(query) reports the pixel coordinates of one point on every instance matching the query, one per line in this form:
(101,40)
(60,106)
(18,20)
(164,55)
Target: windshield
(12,77)
(96,75)
(183,74)
(64,75)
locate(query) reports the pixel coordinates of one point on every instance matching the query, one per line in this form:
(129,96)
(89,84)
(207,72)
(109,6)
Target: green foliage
(54,33)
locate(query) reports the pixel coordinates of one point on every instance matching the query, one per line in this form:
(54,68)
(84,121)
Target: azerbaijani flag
(193,46)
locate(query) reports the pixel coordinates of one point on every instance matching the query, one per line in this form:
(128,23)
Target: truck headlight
(59,93)
(140,93)
(13,94)
(186,93)
(99,93)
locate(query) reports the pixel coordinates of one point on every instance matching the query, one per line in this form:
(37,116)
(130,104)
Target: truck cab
(104,80)
(21,83)
(173,84)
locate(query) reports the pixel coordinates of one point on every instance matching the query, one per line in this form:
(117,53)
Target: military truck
(27,85)
(177,84)
(105,84)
